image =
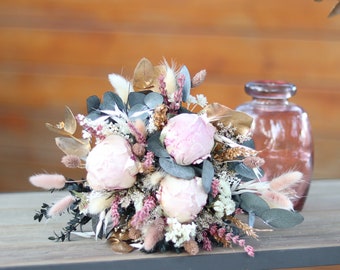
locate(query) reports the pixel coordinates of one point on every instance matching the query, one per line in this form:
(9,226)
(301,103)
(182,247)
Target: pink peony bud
(188,138)
(181,199)
(110,165)
(48,181)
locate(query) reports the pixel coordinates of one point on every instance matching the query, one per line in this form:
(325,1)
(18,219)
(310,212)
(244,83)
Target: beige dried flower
(160,117)
(71,161)
(138,149)
(233,153)
(134,233)
(191,247)
(253,162)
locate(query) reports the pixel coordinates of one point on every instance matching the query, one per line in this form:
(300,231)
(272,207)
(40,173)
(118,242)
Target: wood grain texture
(27,240)
(57,53)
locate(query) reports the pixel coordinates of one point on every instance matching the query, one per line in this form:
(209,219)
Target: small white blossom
(151,126)
(191,99)
(179,233)
(201,100)
(224,205)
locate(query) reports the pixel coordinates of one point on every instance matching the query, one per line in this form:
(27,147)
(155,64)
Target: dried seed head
(191,247)
(138,149)
(71,161)
(134,233)
(198,78)
(160,117)
(253,162)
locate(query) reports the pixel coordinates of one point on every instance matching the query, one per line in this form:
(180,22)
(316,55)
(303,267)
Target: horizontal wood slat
(245,16)
(220,55)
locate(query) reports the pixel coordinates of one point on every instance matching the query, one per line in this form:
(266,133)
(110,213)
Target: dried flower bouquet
(162,174)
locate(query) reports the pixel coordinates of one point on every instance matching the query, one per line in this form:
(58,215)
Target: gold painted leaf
(143,75)
(70,124)
(57,128)
(240,120)
(68,127)
(73,146)
(123,236)
(121,247)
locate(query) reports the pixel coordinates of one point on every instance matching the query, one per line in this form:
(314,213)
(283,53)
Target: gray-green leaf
(187,83)
(154,145)
(179,171)
(135,98)
(153,99)
(208,173)
(250,202)
(247,173)
(281,218)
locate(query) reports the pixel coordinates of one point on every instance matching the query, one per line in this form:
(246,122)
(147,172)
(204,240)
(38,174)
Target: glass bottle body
(281,132)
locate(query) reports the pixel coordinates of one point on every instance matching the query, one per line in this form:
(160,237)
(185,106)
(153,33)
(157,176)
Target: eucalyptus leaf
(281,218)
(110,100)
(139,111)
(135,98)
(92,103)
(154,145)
(176,170)
(94,115)
(249,143)
(253,203)
(247,173)
(187,83)
(153,99)
(208,173)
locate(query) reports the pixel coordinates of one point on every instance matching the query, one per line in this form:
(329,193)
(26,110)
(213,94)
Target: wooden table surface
(24,243)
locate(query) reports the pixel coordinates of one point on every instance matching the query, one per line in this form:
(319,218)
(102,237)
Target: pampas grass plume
(153,179)
(154,233)
(48,181)
(99,202)
(286,180)
(170,78)
(60,206)
(277,200)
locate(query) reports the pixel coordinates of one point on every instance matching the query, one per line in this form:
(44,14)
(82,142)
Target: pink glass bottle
(281,131)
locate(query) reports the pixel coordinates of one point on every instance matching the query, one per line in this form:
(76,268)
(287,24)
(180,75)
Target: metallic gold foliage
(226,154)
(70,145)
(228,117)
(119,242)
(146,75)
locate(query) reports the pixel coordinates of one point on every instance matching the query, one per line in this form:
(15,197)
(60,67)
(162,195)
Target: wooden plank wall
(58,52)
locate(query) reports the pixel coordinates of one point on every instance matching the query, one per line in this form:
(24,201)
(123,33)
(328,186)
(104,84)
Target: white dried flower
(224,205)
(99,201)
(191,100)
(179,233)
(202,100)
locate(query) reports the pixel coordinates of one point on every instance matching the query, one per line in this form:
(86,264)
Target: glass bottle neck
(270,92)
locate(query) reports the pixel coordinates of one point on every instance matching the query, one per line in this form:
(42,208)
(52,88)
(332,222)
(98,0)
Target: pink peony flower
(181,199)
(110,165)
(188,138)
